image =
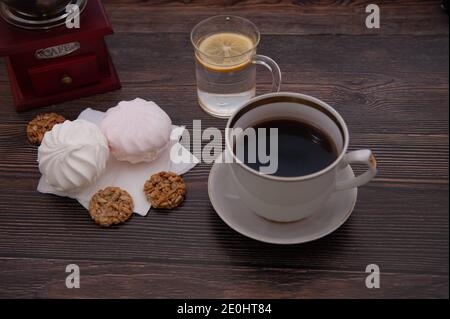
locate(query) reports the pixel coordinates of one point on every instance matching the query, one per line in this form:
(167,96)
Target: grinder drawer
(64,75)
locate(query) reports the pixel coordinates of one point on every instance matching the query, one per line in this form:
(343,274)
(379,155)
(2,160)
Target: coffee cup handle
(273,67)
(358,157)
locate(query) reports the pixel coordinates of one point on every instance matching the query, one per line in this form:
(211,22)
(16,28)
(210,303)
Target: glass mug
(226,59)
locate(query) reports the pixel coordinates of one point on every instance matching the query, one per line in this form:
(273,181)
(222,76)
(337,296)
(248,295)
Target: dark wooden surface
(391,85)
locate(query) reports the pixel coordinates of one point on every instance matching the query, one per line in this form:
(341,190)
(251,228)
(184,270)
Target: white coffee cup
(288,199)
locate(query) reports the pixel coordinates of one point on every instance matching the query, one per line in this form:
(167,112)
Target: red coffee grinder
(49,62)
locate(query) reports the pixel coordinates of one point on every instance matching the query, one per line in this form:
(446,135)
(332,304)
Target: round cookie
(111,206)
(165,190)
(41,124)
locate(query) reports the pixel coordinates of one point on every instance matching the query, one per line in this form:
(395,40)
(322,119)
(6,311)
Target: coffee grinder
(50,60)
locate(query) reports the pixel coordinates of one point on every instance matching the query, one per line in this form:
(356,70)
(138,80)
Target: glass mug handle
(273,67)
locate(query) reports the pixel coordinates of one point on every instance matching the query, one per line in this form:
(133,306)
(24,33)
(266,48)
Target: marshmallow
(137,131)
(73,155)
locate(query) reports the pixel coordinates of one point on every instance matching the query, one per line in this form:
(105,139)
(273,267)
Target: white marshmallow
(73,155)
(137,131)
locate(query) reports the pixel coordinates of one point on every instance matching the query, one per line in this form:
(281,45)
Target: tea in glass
(226,59)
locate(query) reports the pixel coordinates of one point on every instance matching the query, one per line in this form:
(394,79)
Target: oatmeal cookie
(111,206)
(41,124)
(165,190)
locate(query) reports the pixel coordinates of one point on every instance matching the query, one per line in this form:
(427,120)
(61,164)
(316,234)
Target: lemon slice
(226,51)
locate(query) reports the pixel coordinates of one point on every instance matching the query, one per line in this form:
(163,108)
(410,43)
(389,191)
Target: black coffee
(302,148)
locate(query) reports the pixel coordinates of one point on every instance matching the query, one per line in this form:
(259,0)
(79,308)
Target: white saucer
(235,214)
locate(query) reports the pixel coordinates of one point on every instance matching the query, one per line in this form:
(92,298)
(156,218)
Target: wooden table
(391,85)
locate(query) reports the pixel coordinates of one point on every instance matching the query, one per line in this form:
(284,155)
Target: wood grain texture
(399,83)
(403,229)
(391,86)
(169,280)
(296,17)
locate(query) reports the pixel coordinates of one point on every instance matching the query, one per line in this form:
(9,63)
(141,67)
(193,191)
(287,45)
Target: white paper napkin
(130,177)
